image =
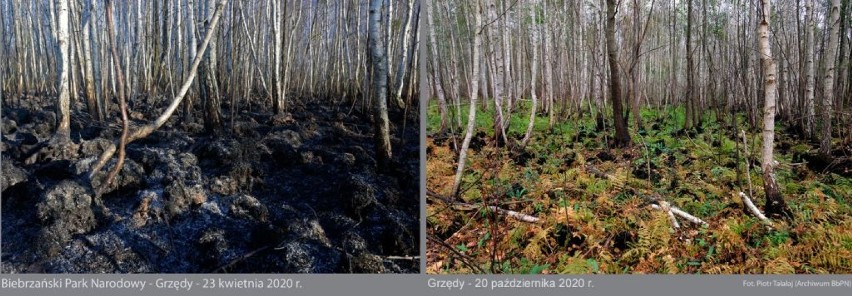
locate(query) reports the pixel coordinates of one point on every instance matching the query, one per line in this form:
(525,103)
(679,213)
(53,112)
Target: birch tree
(378,51)
(436,67)
(828,80)
(406,52)
(63,130)
(95,110)
(775,205)
(278,97)
(534,108)
(150,127)
(474,88)
(809,69)
(209,84)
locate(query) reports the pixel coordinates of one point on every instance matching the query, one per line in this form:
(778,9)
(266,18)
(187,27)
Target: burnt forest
(210,136)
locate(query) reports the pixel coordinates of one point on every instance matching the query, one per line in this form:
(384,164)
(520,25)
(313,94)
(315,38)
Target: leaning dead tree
(149,128)
(122,142)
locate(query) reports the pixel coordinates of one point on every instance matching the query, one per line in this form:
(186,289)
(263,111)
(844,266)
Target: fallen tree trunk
(754,210)
(677,211)
(149,128)
(469,207)
(665,206)
(656,201)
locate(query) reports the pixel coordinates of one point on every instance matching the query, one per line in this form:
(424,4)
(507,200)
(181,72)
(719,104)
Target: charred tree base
(775,206)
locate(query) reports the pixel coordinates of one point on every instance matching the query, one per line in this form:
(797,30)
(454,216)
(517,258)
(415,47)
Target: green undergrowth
(592,224)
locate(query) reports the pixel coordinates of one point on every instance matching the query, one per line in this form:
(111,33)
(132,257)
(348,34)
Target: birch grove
(159,40)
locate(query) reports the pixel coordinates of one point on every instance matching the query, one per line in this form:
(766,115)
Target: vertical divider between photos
(424,103)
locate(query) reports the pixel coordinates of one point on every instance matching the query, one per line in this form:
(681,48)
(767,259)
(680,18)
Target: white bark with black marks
(378,52)
(474,88)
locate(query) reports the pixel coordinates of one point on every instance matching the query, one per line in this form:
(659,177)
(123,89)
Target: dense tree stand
(280,160)
(527,125)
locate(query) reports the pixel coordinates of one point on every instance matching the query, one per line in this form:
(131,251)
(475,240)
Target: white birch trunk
(474,88)
(809,68)
(63,131)
(828,89)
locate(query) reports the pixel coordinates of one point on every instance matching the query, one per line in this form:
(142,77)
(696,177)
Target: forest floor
(277,194)
(592,224)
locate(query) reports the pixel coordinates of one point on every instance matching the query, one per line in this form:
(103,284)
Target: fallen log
(469,207)
(677,211)
(754,210)
(667,208)
(656,201)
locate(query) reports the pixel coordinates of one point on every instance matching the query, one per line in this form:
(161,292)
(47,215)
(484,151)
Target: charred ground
(298,193)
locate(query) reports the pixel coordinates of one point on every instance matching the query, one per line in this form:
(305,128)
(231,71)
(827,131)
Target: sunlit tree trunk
(88,69)
(402,69)
(192,46)
(378,51)
(278,88)
(548,68)
(63,130)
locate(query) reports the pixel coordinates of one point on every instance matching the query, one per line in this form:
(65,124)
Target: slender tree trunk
(406,52)
(622,138)
(150,127)
(474,88)
(548,69)
(842,81)
(496,71)
(63,130)
(378,51)
(534,108)
(689,100)
(436,68)
(209,84)
(775,205)
(277,101)
(634,83)
(809,69)
(828,89)
(88,68)
(190,10)
(121,99)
